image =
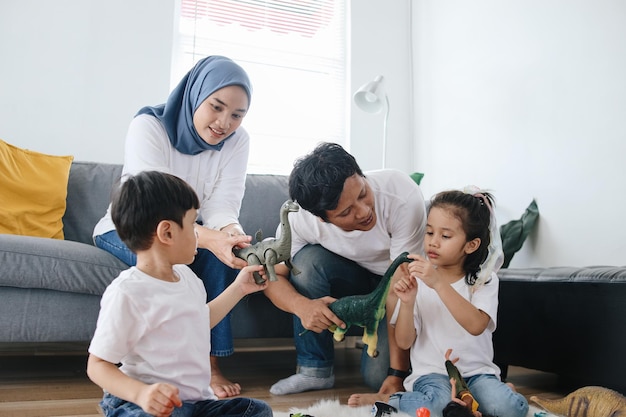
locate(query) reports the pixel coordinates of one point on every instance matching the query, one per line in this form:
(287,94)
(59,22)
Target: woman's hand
(221,244)
(233,229)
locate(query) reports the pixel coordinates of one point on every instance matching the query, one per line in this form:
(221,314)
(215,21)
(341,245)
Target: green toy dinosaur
(366,310)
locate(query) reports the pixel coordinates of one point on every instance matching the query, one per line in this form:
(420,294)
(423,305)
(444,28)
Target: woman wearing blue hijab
(197,136)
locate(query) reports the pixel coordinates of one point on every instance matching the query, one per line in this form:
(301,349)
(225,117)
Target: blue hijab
(206,77)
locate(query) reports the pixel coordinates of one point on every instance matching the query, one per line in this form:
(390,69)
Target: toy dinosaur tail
(380,292)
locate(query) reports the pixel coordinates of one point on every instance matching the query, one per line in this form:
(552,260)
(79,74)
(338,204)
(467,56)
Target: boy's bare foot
(391,385)
(221,386)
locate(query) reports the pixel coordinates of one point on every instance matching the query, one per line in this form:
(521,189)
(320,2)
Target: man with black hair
(350,229)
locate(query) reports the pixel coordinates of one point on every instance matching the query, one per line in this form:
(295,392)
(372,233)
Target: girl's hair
(146,199)
(474,212)
(317,179)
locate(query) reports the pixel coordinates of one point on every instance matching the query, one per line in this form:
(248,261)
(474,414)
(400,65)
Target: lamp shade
(370,97)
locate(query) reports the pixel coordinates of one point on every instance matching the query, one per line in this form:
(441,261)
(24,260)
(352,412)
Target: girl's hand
(159,399)
(447,356)
(423,269)
(405,289)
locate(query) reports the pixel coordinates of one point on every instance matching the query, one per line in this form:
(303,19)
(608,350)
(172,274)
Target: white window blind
(295,54)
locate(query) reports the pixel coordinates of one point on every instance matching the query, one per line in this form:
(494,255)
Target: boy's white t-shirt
(159,331)
(438,331)
(400,225)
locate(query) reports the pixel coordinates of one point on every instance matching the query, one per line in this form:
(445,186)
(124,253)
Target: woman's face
(220,114)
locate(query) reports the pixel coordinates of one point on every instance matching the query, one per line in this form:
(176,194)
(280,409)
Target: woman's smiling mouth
(218,133)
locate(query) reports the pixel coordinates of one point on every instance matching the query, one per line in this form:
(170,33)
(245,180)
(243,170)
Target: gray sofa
(50,289)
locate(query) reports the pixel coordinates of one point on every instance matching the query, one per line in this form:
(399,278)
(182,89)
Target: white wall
(528,99)
(74,72)
(381,45)
(80,69)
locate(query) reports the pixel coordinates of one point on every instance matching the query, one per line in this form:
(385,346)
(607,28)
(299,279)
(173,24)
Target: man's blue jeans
(214,274)
(433,391)
(324,273)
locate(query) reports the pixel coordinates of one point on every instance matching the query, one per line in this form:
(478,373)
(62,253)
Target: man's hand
(159,399)
(316,316)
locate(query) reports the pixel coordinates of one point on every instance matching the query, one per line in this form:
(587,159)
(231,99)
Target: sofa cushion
(88,196)
(38,316)
(62,265)
(34,187)
(260,208)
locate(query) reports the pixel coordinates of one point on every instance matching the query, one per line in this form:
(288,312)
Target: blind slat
(295,54)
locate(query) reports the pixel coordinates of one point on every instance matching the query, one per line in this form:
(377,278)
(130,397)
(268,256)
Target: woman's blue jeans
(113,406)
(324,273)
(214,274)
(433,391)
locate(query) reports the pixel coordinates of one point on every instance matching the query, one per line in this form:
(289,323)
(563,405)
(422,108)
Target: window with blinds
(295,54)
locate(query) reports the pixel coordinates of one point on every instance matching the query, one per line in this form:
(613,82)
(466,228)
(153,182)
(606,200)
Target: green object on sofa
(417,177)
(515,232)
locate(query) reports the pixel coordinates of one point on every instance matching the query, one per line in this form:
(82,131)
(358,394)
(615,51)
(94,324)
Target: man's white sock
(300,383)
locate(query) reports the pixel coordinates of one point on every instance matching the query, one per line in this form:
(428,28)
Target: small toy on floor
(381,409)
(463,403)
(586,402)
(422,412)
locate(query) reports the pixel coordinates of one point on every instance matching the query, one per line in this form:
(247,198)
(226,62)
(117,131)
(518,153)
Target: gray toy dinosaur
(271,251)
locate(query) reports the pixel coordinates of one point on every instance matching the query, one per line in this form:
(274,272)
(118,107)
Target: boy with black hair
(154,319)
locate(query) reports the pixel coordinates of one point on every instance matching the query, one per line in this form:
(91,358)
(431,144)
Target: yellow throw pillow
(33,188)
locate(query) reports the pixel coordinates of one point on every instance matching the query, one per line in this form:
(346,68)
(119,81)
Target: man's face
(355,210)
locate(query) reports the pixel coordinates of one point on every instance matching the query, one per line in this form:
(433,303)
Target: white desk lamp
(369,98)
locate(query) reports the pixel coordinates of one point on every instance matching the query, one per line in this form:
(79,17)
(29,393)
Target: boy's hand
(159,399)
(245,279)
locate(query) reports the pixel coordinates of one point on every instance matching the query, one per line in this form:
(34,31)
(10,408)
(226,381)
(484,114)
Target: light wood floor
(44,384)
